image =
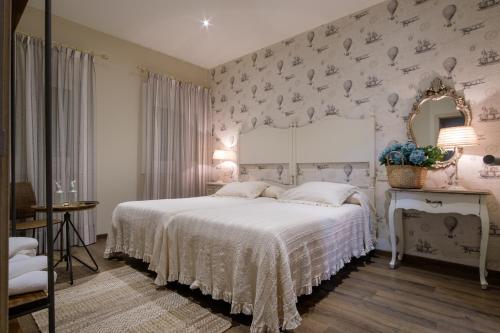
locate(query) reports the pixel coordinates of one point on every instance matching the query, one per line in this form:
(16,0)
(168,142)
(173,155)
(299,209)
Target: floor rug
(126,300)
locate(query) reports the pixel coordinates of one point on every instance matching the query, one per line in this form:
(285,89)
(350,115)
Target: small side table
(214,187)
(464,202)
(67,208)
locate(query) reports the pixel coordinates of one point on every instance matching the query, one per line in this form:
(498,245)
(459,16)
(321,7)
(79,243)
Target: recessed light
(206,23)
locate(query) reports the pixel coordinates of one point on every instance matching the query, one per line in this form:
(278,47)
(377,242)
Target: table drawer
(439,202)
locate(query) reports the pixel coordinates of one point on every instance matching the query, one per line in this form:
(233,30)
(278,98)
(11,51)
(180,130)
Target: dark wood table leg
(67,219)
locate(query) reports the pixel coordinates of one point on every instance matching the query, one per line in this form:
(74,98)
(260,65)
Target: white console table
(465,202)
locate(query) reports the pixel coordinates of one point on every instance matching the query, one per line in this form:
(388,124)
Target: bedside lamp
(227,158)
(224,155)
(457,138)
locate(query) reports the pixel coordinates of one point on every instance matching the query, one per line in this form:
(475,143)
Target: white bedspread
(134,224)
(261,256)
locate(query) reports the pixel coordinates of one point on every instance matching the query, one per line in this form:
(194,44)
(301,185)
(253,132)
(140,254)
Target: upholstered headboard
(336,143)
(265,145)
(332,140)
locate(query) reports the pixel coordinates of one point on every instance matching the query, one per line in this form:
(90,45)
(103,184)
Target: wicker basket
(406,176)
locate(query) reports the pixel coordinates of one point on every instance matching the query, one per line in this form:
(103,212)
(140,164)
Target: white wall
(117,104)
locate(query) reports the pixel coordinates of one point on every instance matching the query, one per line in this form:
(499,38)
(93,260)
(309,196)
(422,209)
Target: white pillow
(249,190)
(273,191)
(319,193)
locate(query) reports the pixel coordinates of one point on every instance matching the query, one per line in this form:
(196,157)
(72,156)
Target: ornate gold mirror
(438,107)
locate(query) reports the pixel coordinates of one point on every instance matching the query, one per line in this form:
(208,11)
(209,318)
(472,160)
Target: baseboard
(441,266)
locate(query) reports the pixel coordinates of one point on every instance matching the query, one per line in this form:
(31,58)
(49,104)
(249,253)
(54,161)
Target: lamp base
(456,187)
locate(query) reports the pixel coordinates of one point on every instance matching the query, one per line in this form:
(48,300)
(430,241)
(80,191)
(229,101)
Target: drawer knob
(434,203)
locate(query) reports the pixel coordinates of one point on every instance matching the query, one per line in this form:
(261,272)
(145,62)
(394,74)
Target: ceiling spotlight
(206,23)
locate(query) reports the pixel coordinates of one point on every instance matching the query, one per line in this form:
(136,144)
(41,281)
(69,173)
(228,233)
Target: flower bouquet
(407,164)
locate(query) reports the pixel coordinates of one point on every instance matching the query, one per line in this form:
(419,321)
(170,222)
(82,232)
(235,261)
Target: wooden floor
(366,296)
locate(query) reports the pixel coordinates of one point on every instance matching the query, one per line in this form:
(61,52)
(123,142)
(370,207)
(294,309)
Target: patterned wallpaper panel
(375,62)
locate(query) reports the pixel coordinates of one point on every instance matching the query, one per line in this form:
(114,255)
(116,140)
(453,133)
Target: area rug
(125,300)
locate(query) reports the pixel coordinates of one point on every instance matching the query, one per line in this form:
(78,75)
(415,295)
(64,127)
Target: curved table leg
(392,231)
(400,239)
(485,233)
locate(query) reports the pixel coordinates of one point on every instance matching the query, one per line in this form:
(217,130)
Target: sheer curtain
(177,139)
(73,148)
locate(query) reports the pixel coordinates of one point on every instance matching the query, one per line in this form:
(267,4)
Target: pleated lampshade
(460,136)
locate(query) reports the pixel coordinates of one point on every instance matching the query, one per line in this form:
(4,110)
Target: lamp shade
(460,136)
(224,155)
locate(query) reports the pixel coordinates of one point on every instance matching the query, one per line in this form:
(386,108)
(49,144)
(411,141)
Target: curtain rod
(145,70)
(95,54)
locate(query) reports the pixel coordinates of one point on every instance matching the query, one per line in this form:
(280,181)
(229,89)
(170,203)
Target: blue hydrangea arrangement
(409,154)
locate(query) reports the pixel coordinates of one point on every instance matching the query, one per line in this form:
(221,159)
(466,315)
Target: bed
(260,257)
(260,254)
(135,225)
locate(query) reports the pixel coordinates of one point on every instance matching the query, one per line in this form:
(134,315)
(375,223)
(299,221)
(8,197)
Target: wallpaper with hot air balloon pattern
(376,62)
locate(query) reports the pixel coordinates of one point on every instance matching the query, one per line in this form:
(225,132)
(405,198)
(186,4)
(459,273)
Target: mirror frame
(436,91)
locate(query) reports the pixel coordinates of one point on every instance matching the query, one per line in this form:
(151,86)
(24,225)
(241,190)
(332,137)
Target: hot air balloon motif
(254,59)
(254,122)
(231,81)
(268,53)
(310,38)
(392,53)
(279,100)
(450,222)
(347,46)
(268,121)
(393,100)
(449,65)
(212,73)
(310,114)
(268,86)
(347,87)
(348,171)
(254,90)
(231,111)
(448,13)
(391,8)
(279,171)
(310,76)
(279,65)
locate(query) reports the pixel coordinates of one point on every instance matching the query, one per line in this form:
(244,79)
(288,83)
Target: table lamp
(457,138)
(227,158)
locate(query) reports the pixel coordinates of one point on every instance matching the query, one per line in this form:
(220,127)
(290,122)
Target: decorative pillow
(354,199)
(319,193)
(249,190)
(273,191)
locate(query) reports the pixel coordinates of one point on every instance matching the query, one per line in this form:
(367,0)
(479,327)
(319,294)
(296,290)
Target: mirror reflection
(434,114)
